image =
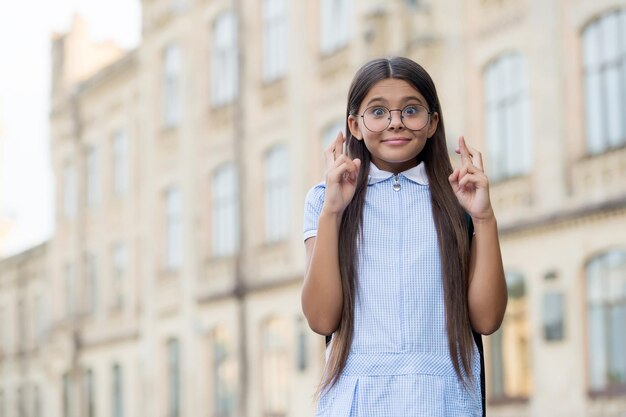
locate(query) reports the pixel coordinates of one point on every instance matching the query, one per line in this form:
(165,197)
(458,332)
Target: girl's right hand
(342,174)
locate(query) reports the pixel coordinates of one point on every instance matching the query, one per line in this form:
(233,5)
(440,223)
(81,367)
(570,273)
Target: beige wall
(552,220)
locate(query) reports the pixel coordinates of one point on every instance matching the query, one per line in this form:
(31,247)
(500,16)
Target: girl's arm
(322,295)
(487,293)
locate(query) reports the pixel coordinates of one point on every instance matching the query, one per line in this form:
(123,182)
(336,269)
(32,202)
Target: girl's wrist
(485,218)
(331,215)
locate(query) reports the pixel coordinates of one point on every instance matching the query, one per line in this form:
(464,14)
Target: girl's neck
(395,167)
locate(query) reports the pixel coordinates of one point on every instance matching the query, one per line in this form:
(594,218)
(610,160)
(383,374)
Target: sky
(26,183)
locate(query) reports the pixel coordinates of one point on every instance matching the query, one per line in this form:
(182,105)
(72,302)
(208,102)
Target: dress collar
(416,174)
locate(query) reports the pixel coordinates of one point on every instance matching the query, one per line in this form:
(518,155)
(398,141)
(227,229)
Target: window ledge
(599,177)
(222,115)
(502,401)
(274,91)
(332,63)
(609,392)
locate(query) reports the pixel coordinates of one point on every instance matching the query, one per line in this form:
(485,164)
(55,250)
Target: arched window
(224,59)
(275,367)
(604,60)
(225,374)
(277,198)
(275,39)
(509,346)
(172,88)
(225,210)
(606,321)
(507,117)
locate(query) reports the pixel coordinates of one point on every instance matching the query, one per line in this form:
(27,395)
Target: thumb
(355,175)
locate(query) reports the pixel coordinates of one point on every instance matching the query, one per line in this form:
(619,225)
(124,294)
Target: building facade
(171,286)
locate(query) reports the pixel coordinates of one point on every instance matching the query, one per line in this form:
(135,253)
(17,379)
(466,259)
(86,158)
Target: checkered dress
(399,363)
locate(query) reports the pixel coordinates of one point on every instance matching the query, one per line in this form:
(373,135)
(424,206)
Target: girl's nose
(395,120)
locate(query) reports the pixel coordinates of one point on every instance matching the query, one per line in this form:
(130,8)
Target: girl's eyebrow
(384,100)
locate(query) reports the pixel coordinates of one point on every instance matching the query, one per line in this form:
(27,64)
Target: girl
(391,273)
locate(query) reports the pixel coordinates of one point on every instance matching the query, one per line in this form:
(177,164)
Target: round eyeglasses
(378,118)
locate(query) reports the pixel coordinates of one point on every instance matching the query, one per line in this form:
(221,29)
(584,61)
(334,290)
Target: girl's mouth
(396,141)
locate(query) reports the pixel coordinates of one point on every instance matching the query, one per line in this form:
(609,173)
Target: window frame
(597,69)
(277,194)
(506,92)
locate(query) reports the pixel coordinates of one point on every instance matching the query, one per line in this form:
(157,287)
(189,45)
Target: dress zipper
(396,183)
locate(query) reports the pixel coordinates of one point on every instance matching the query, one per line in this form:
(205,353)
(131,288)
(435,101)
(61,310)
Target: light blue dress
(399,363)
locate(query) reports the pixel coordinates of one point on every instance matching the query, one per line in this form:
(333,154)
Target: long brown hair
(448,215)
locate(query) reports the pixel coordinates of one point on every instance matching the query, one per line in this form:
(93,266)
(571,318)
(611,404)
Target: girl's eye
(378,111)
(410,111)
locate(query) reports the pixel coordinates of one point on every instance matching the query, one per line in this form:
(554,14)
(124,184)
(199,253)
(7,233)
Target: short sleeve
(312,209)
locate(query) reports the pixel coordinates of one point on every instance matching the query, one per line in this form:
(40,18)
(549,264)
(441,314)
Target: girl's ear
(432,126)
(355,128)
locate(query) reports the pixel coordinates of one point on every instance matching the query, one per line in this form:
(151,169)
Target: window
(93,177)
(224,59)
(173,369)
(69,191)
(553,316)
(276,194)
(120,162)
(275,39)
(21,325)
(70,291)
(37,406)
(4,342)
(335,22)
(118,400)
(275,367)
(606,315)
(507,117)
(21,402)
(91,284)
(331,131)
(604,54)
(120,265)
(173,229)
(303,352)
(509,346)
(89,398)
(172,85)
(39,316)
(67,396)
(328,136)
(224,374)
(225,211)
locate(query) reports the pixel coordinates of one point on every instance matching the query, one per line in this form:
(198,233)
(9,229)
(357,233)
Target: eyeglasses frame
(429,112)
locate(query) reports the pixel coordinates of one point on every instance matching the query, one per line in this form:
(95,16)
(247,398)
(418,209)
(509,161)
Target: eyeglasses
(413,117)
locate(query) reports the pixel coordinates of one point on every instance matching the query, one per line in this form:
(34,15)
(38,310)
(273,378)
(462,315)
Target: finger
(475,180)
(467,168)
(328,155)
(353,175)
(340,159)
(465,153)
(454,177)
(343,171)
(339,144)
(357,164)
(477,157)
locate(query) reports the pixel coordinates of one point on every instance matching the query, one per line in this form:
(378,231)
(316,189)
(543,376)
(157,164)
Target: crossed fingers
(338,165)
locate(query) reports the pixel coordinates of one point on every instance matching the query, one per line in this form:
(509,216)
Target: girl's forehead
(392,90)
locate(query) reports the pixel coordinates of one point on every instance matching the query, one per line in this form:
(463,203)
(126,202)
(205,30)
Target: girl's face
(395,148)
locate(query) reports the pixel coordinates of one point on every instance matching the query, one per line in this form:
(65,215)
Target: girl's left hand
(470,184)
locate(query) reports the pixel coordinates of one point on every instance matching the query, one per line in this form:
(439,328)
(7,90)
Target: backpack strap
(478,339)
